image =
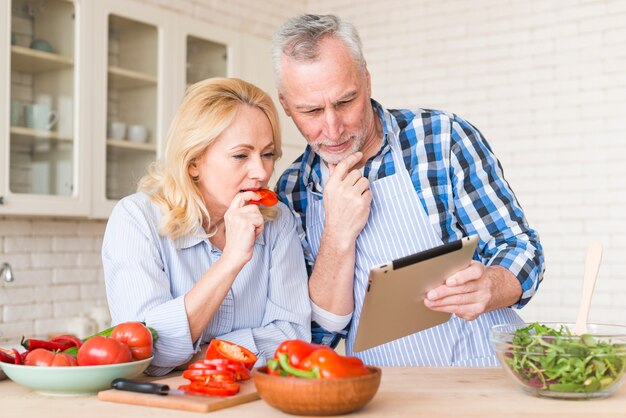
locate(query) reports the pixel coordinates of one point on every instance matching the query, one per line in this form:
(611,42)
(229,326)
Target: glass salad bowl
(548,360)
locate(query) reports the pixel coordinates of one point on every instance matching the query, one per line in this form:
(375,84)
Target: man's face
(329,101)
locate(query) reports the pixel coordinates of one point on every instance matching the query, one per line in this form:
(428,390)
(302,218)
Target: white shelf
(28,133)
(122,78)
(120,143)
(32,61)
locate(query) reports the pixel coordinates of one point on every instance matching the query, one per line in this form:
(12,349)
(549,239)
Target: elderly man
(376,184)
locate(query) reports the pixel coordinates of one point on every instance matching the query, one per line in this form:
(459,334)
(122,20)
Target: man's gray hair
(299,38)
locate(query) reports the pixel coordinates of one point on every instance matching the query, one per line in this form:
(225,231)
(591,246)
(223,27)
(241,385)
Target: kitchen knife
(145,387)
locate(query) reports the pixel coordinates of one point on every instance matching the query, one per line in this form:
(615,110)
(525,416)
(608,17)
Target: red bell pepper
(268,198)
(238,370)
(211,388)
(327,364)
(296,351)
(220,349)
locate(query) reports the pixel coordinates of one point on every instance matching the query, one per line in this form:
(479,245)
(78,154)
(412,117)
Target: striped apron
(398,226)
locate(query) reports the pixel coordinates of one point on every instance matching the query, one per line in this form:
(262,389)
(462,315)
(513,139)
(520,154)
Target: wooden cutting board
(197,403)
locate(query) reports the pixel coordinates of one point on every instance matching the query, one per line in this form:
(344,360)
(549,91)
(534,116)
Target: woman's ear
(193,169)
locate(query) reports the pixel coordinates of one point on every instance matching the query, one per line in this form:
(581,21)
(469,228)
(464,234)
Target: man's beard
(357,142)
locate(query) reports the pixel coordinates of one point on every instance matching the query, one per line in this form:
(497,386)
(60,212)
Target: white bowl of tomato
(79,380)
(66,365)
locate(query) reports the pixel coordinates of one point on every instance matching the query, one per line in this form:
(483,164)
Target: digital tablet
(394,301)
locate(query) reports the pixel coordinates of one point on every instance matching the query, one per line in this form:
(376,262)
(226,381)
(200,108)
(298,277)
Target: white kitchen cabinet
(42,157)
(133,69)
(114,79)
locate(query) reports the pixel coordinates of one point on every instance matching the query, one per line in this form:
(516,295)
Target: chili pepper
(326,363)
(18,357)
(6,357)
(220,349)
(268,198)
(31,343)
(211,388)
(296,350)
(67,339)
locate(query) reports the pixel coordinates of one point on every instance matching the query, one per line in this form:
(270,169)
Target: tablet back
(393,306)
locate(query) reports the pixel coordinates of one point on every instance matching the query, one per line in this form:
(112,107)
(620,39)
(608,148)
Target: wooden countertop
(404,391)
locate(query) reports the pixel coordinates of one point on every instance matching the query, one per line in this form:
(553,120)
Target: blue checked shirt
(460,184)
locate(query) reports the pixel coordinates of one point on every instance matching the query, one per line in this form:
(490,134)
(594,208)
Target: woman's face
(240,159)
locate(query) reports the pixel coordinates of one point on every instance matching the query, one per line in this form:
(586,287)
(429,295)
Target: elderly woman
(189,254)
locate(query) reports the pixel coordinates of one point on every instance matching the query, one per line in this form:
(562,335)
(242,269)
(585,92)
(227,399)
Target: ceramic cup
(40,117)
(137,133)
(41,45)
(116,130)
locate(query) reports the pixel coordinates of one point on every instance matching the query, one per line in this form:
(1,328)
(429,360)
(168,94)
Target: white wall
(545,81)
(57,266)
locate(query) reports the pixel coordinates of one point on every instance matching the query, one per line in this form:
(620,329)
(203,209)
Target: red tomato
(268,198)
(103,350)
(46,358)
(136,336)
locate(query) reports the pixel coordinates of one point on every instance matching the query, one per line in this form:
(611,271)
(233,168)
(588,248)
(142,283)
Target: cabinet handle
(1,200)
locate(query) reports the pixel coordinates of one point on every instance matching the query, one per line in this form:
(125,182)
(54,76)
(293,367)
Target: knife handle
(142,387)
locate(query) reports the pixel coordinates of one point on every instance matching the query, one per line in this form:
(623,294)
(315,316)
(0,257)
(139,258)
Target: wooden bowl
(317,396)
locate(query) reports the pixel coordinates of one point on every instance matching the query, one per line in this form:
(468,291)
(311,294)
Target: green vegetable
(558,361)
(107,333)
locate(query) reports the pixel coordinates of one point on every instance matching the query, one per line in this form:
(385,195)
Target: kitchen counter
(404,391)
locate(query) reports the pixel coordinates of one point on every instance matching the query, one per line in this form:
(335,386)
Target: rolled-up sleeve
(486,206)
(287,310)
(138,286)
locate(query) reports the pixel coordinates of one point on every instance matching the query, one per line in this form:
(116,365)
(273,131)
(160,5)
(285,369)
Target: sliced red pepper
(220,349)
(67,339)
(206,375)
(268,198)
(211,363)
(236,367)
(211,388)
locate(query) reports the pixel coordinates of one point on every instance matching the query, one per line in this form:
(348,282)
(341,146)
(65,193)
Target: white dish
(78,380)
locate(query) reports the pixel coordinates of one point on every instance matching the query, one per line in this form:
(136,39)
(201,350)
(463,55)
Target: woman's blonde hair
(208,108)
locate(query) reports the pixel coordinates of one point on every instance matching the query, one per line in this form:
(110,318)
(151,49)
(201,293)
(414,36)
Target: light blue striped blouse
(147,277)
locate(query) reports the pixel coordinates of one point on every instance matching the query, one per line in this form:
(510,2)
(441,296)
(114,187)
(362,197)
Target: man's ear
(369,82)
(283,103)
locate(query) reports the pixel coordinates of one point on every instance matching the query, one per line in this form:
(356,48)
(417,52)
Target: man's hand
(474,291)
(347,200)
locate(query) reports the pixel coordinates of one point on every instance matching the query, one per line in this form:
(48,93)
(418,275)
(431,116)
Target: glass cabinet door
(205,59)
(131,103)
(42,146)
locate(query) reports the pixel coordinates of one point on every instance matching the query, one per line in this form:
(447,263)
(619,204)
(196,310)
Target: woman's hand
(243,223)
